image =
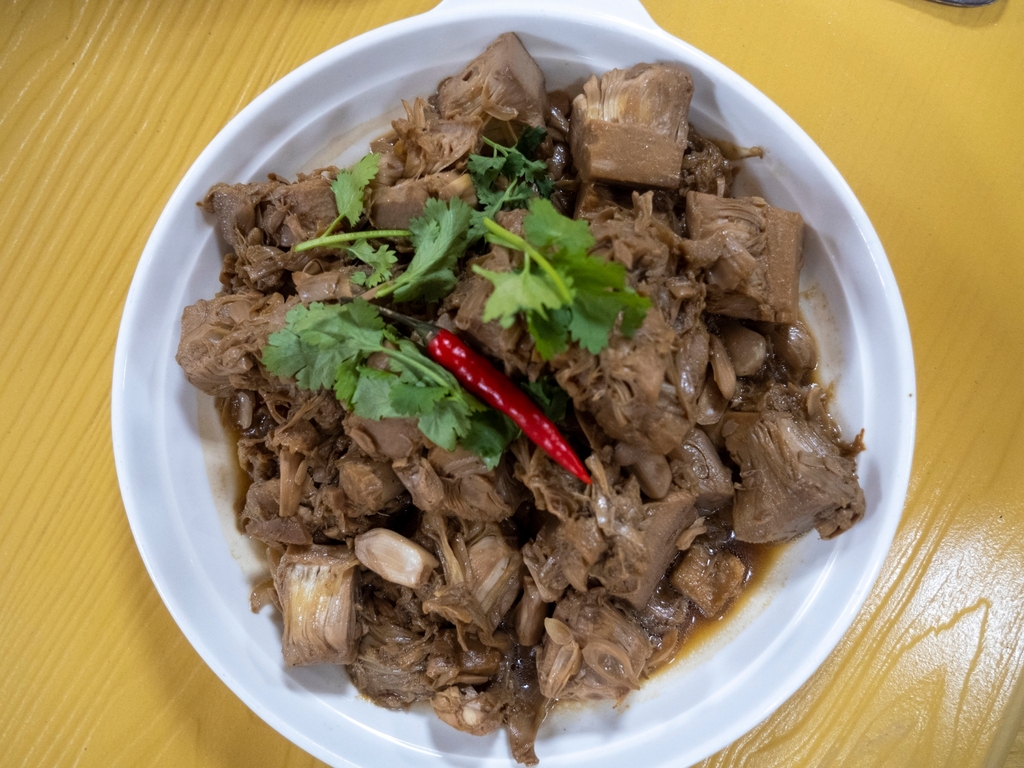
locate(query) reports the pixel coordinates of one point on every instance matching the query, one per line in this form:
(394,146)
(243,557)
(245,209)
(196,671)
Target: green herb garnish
(327,346)
(439,237)
(564,292)
(349,189)
(550,397)
(381,260)
(509,178)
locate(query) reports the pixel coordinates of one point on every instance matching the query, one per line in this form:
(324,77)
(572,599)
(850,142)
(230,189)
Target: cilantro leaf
(412,399)
(550,334)
(598,303)
(517,196)
(489,434)
(564,292)
(477,229)
(534,172)
(350,185)
(346,379)
(530,140)
(345,329)
(381,260)
(484,171)
(328,346)
(546,228)
(634,312)
(440,238)
(593,317)
(516,292)
(314,343)
(508,179)
(285,355)
(551,398)
(372,396)
(446,422)
(414,367)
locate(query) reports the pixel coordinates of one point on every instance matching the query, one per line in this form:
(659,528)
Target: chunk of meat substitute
(760,253)
(503,82)
(628,388)
(468,710)
(393,207)
(641,537)
(630,126)
(697,466)
(712,579)
(592,650)
(794,478)
(221,340)
(316,588)
(432,144)
(369,485)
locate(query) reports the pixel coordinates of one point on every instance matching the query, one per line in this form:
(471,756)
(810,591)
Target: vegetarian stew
(514,391)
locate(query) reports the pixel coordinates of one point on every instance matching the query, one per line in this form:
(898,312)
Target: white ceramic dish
(783,632)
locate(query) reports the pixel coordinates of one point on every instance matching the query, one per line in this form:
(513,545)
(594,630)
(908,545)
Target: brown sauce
(759,559)
(242,480)
(735,152)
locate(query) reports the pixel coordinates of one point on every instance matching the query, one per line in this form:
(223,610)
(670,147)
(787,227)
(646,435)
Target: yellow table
(103,107)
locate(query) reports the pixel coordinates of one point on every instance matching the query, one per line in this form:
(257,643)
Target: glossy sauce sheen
(759,559)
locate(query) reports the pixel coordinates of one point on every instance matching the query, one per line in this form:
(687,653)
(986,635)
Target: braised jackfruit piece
(711,579)
(795,478)
(592,650)
(758,250)
(316,588)
(504,83)
(468,710)
(630,126)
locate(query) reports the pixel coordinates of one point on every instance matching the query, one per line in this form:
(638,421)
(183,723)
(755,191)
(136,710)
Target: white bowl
(783,631)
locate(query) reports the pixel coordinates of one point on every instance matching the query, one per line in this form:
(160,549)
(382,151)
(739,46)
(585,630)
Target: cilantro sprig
(564,292)
(440,237)
(508,179)
(328,346)
(380,260)
(349,188)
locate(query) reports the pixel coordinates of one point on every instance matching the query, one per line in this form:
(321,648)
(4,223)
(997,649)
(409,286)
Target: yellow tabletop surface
(103,107)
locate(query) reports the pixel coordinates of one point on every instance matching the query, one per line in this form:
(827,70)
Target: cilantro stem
(503,237)
(333,225)
(497,147)
(348,237)
(412,362)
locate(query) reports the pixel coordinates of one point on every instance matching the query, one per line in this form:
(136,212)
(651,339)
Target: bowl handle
(629,11)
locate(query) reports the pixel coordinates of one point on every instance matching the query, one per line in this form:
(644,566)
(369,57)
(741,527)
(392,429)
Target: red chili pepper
(485,381)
